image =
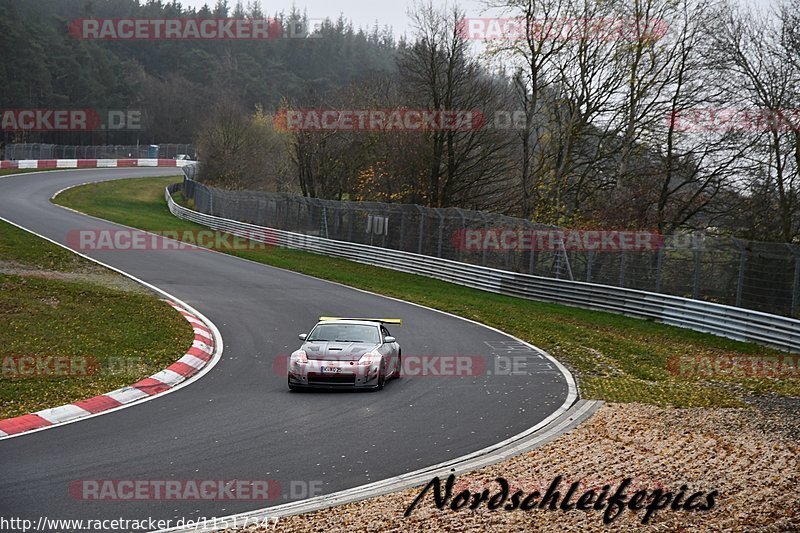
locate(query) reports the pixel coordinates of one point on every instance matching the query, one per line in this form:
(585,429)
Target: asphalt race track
(240,421)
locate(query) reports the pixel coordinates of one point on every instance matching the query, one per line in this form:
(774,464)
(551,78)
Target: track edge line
(216,356)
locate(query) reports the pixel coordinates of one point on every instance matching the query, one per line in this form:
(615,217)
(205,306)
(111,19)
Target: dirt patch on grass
(88,273)
(748,455)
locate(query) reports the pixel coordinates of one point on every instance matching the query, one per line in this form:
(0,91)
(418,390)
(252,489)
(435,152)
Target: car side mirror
(303,336)
(389,339)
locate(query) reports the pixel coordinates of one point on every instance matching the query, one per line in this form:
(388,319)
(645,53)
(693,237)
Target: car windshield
(345,333)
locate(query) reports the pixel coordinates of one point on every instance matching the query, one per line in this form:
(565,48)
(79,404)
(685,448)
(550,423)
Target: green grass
(615,358)
(119,336)
(29,250)
(9,171)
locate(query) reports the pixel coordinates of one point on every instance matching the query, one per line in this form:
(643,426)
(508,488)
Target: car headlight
(298,358)
(369,359)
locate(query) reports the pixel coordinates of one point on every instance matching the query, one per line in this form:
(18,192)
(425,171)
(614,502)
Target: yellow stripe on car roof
(398,321)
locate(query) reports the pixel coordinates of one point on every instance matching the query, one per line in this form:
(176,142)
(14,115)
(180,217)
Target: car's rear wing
(396,321)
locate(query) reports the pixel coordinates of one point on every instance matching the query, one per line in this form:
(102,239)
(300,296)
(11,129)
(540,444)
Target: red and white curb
(197,357)
(93,163)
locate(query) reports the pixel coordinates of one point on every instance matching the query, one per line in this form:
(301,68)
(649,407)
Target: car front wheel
(381,377)
(396,373)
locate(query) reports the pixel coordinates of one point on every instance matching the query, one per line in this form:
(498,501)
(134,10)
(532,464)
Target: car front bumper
(319,374)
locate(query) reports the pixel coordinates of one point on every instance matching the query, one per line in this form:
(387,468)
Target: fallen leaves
(754,468)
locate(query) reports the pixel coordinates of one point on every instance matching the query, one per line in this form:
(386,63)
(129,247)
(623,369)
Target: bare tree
(241,150)
(532,56)
(589,76)
(758,62)
(439,74)
(224,144)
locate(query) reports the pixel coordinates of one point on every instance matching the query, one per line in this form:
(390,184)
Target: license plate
(330,369)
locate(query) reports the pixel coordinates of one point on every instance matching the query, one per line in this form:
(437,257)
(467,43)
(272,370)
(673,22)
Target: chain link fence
(754,275)
(17,152)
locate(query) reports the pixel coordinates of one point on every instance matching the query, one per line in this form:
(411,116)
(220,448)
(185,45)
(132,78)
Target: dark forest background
(594,146)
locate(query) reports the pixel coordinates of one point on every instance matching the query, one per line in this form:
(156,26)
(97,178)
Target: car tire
(381,378)
(396,374)
(294,388)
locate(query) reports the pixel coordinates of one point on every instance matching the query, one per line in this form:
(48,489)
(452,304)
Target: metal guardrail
(762,276)
(732,322)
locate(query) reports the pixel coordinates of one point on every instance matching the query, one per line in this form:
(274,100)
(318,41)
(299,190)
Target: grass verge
(9,171)
(72,329)
(615,358)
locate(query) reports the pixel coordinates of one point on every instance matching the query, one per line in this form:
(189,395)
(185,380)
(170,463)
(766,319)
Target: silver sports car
(355,353)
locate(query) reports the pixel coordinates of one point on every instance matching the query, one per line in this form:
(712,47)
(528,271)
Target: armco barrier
(732,322)
(92,163)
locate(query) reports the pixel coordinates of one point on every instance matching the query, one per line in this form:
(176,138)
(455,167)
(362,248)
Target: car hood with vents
(337,351)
